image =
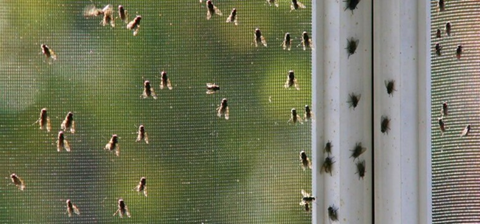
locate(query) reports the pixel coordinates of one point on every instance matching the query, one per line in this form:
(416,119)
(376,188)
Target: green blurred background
(199,168)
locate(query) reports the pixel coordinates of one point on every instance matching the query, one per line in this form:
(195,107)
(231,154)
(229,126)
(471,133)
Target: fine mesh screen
(199,168)
(456,158)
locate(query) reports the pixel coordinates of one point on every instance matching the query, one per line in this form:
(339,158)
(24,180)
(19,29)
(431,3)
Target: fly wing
(145,137)
(264,42)
(227,113)
(72,128)
(169,84)
(49,125)
(66,145)
(76,210)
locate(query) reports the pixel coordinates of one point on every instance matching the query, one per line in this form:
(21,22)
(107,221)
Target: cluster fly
(142,186)
(44,120)
(327,165)
(211,9)
(291,80)
(113,145)
(134,25)
(62,143)
(333,213)
(352,45)
(17,181)
(258,38)
(308,114)
(223,109)
(357,150)
(294,117)
(212,88)
(296,5)
(306,199)
(459,51)
(71,208)
(165,81)
(305,161)
(361,169)
(306,41)
(68,123)
(232,18)
(148,90)
(122,209)
(122,13)
(108,17)
(441,124)
(142,134)
(287,42)
(48,52)
(444,110)
(465,131)
(270,2)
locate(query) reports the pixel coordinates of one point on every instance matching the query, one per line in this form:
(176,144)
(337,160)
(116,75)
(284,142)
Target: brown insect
(328,147)
(48,52)
(353,100)
(142,186)
(459,51)
(448,28)
(212,88)
(291,80)
(294,117)
(122,209)
(305,161)
(357,150)
(296,5)
(385,124)
(333,213)
(232,18)
(148,90)
(134,25)
(361,169)
(223,109)
(438,49)
(441,5)
(62,143)
(142,134)
(270,2)
(287,42)
(19,183)
(122,13)
(44,120)
(306,41)
(92,11)
(465,131)
(258,38)
(165,81)
(113,145)
(308,115)
(444,110)
(71,208)
(390,85)
(211,9)
(108,17)
(438,34)
(327,165)
(68,123)
(441,124)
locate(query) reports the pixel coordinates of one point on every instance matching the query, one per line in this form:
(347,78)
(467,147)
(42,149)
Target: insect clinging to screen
(306,197)
(294,117)
(68,123)
(270,2)
(327,165)
(352,45)
(142,186)
(223,109)
(148,90)
(333,213)
(459,51)
(122,13)
(308,115)
(92,11)
(71,208)
(44,120)
(142,134)
(390,85)
(441,124)
(19,183)
(328,147)
(113,145)
(353,100)
(122,209)
(361,169)
(465,131)
(438,49)
(357,150)
(351,4)
(441,5)
(296,5)
(258,38)
(134,25)
(438,34)
(232,18)
(62,143)
(305,161)
(385,124)
(291,81)
(165,81)
(444,110)
(212,9)
(108,17)
(287,42)
(448,28)
(48,52)
(212,88)
(306,41)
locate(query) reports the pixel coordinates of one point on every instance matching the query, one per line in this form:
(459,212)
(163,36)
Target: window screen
(199,168)
(455,154)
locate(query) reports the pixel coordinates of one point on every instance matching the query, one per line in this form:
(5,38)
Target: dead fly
(438,49)
(444,110)
(307,198)
(68,123)
(438,34)
(351,4)
(294,117)
(211,9)
(306,41)
(142,134)
(448,28)
(465,131)
(308,115)
(142,186)
(108,17)
(223,109)
(327,165)
(71,208)
(148,90)
(44,120)
(258,38)
(212,88)
(48,52)
(62,143)
(270,2)
(390,85)
(357,150)
(92,11)
(352,45)
(305,161)
(17,181)
(333,213)
(328,147)
(287,42)
(385,124)
(353,100)
(459,51)
(441,125)
(165,81)
(134,25)
(291,80)
(113,145)
(361,169)
(122,209)
(122,14)
(441,5)
(296,5)
(232,18)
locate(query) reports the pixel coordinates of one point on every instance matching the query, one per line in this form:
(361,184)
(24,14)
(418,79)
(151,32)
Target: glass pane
(199,168)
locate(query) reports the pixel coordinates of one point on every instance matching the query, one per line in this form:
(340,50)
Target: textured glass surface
(199,168)
(456,158)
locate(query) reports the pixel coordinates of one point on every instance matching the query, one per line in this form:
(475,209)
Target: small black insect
(305,161)
(148,90)
(352,45)
(296,5)
(465,131)
(439,33)
(351,4)
(327,165)
(328,147)
(385,124)
(232,18)
(212,88)
(287,42)
(390,85)
(71,208)
(62,143)
(165,81)
(48,52)
(441,124)
(294,117)
(142,134)
(306,41)
(441,5)
(357,150)
(333,213)
(438,49)
(122,14)
(211,9)
(291,80)
(448,28)
(444,111)
(68,123)
(306,197)
(353,100)
(459,51)
(223,109)
(308,115)
(44,120)
(19,183)
(122,209)
(134,25)
(361,169)
(113,145)
(142,186)
(258,38)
